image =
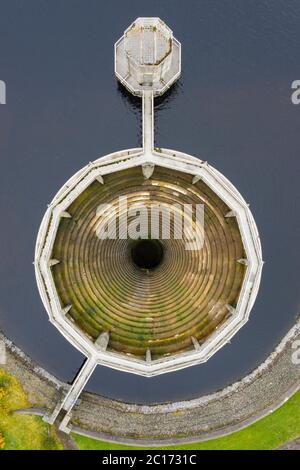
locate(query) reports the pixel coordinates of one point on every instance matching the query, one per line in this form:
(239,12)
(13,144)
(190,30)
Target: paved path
(291,445)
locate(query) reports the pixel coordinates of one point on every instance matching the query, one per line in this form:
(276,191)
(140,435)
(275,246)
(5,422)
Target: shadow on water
(133,105)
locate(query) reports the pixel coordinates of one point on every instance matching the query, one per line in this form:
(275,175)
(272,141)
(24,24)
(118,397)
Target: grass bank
(21,432)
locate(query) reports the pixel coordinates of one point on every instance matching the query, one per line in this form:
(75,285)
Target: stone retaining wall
(228,410)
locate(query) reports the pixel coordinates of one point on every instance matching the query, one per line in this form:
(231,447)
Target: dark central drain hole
(147,254)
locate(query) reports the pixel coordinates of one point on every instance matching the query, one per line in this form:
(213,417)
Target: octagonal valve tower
(147,57)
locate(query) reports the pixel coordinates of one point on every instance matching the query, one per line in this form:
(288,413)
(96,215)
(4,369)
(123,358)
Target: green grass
(21,432)
(266,434)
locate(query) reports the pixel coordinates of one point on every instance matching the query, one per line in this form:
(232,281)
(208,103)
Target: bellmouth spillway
(155,307)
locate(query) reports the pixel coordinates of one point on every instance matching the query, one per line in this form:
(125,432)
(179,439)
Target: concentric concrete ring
(161,309)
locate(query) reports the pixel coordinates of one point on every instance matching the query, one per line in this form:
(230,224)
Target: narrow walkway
(73,393)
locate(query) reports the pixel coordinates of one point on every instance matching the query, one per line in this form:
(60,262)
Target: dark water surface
(231,107)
